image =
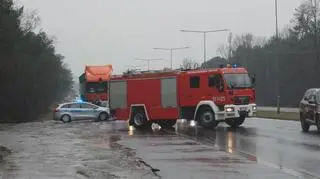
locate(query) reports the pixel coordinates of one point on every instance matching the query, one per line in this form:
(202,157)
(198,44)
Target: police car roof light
(80,101)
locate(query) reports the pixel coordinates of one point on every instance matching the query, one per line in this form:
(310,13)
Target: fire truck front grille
(241,100)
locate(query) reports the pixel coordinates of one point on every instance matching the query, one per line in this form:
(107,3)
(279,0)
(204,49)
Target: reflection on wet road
(259,149)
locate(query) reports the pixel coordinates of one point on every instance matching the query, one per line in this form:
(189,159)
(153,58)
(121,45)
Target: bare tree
(224,51)
(29,21)
(166,69)
(305,18)
(230,38)
(260,41)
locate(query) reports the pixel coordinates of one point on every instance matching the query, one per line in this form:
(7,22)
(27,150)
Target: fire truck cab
(208,96)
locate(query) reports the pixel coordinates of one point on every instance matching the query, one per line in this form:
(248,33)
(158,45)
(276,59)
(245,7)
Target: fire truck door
(214,88)
(191,92)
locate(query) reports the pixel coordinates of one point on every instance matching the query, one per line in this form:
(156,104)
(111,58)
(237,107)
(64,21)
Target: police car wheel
(65,118)
(103,116)
(207,118)
(318,123)
(304,125)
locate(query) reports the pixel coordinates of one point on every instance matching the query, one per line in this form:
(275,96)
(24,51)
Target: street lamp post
(148,60)
(171,50)
(276,14)
(277,59)
(204,38)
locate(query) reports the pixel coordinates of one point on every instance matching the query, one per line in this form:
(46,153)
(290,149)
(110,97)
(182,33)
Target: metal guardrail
(282,109)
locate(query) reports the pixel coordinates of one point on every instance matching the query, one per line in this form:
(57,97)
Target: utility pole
(148,60)
(204,38)
(277,59)
(171,50)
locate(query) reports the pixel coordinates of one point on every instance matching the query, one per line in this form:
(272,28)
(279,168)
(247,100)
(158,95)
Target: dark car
(310,109)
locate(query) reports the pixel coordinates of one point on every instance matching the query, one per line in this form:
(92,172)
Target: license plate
(243,108)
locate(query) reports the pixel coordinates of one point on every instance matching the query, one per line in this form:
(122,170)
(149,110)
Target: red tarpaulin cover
(97,73)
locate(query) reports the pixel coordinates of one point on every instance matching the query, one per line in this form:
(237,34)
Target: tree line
(32,74)
(285,64)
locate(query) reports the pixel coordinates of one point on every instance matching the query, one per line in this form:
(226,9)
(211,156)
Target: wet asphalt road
(260,149)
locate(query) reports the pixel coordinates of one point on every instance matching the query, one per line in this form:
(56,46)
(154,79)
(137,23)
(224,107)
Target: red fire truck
(93,83)
(208,96)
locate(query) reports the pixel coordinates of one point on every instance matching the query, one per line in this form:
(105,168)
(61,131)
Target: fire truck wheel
(304,125)
(207,118)
(236,122)
(139,119)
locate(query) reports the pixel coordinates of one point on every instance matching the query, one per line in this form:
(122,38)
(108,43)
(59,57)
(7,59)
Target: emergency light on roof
(229,66)
(79,100)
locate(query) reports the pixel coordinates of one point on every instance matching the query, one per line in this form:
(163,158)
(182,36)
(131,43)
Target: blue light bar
(79,100)
(235,65)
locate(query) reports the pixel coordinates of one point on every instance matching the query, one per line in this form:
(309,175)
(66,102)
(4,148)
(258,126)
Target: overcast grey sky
(98,32)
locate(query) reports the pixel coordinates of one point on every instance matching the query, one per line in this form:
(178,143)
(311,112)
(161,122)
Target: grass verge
(292,116)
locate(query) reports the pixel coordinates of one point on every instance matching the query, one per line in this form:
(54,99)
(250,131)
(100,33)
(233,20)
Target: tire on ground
(65,118)
(206,117)
(318,122)
(139,118)
(103,116)
(304,125)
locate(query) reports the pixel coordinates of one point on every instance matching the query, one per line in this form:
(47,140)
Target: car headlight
(229,109)
(254,108)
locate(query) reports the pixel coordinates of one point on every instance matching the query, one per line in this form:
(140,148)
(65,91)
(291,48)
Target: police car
(67,112)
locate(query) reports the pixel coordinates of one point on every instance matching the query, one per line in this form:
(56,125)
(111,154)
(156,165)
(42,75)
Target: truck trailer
(208,96)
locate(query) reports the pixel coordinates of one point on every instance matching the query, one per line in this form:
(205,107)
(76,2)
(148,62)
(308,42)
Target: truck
(93,83)
(207,96)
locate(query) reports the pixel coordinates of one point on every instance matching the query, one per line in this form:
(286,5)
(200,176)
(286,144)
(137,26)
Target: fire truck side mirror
(253,78)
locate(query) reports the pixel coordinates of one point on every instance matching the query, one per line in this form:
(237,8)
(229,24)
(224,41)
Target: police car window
(194,82)
(318,97)
(65,106)
(87,106)
(74,105)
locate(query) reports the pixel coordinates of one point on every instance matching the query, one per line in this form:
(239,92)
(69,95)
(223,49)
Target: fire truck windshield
(97,87)
(238,80)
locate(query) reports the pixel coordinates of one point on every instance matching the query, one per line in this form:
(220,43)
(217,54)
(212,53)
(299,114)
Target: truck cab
(94,84)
